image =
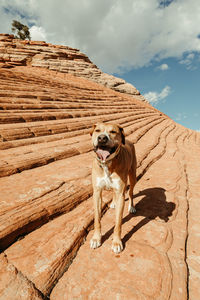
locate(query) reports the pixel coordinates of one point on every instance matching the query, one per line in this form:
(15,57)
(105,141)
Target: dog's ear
(122,135)
(92,129)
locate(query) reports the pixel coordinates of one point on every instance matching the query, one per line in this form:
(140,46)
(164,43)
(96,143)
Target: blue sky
(181,81)
(153,44)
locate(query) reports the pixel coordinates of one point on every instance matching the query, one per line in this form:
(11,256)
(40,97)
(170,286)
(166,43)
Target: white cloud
(181,116)
(38,33)
(155,97)
(116,35)
(163,67)
(188,61)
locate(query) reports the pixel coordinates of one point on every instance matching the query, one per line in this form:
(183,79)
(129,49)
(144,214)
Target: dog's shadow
(151,206)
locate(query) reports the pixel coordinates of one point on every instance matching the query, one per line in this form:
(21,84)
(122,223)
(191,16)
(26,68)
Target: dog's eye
(113,131)
(97,130)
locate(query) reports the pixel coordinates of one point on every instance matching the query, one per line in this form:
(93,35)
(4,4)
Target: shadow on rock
(151,206)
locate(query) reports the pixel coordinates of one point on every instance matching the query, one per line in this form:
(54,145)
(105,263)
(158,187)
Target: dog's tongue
(102,154)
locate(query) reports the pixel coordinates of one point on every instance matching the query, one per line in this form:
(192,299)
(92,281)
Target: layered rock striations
(14,52)
(46,209)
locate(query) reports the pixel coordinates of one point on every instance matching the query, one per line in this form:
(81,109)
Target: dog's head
(106,139)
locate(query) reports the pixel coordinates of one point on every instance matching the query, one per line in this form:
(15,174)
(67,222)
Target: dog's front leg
(95,242)
(117,243)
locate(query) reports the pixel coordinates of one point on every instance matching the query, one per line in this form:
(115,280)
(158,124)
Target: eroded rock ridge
(14,52)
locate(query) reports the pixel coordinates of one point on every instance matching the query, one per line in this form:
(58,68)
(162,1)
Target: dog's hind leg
(132,180)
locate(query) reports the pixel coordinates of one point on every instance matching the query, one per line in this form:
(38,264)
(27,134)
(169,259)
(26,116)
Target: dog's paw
(95,243)
(117,247)
(131,209)
(112,204)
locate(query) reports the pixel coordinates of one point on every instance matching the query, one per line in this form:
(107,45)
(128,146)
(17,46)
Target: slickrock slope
(64,59)
(46,209)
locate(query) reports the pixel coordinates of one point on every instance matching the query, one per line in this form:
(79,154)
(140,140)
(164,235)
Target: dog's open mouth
(104,152)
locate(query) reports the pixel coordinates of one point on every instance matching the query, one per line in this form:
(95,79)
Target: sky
(152,44)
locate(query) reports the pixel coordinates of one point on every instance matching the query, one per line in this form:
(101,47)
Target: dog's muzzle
(103,149)
(102,139)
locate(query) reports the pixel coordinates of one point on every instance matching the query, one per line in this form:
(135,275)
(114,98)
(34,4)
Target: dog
(114,162)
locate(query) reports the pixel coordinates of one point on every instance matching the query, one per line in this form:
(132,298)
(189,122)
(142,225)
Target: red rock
(58,58)
(45,165)
(13,285)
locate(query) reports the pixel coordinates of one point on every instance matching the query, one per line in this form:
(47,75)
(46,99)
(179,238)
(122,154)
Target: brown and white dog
(114,162)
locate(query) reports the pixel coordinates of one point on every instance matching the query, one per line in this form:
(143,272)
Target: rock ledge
(14,52)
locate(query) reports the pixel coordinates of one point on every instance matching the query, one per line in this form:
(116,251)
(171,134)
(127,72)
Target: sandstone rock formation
(64,59)
(46,209)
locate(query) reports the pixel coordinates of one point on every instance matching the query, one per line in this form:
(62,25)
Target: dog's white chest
(107,181)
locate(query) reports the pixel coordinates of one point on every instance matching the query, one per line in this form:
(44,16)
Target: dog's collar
(113,155)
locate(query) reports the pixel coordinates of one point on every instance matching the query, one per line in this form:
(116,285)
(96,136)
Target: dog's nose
(102,139)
